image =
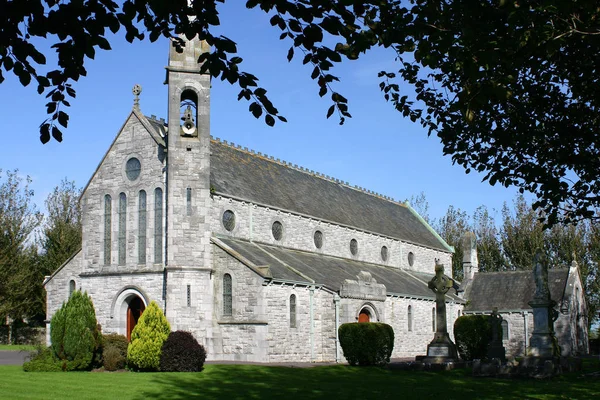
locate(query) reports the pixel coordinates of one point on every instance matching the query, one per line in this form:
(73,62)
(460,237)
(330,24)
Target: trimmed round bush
(74,332)
(472,333)
(367,343)
(181,352)
(147,338)
(114,354)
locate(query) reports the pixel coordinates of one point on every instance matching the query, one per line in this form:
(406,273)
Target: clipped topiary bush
(114,354)
(181,352)
(74,333)
(367,343)
(147,338)
(472,333)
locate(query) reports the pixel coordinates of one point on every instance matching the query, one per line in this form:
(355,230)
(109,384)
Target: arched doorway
(364,316)
(135,308)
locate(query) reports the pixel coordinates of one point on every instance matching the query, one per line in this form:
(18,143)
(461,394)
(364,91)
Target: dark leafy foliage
(181,352)
(367,343)
(114,351)
(509,87)
(473,333)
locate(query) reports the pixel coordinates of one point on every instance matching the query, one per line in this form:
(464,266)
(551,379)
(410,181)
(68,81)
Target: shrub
(147,339)
(367,343)
(114,352)
(42,360)
(74,332)
(181,352)
(472,333)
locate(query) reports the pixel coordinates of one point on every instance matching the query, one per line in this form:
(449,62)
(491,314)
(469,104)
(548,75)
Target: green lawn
(258,382)
(16,347)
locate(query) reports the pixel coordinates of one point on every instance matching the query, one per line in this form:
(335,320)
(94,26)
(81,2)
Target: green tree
(420,204)
(489,249)
(74,333)
(147,339)
(509,87)
(61,234)
(590,272)
(452,227)
(522,234)
(18,256)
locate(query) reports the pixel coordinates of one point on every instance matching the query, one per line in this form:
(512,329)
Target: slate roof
(258,179)
(313,268)
(511,290)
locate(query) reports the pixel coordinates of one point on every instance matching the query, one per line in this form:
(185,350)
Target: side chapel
(260,259)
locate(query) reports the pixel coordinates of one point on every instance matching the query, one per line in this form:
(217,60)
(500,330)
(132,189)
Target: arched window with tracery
(142,227)
(122,228)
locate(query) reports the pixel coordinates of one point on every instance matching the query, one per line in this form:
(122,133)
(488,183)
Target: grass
(262,382)
(16,347)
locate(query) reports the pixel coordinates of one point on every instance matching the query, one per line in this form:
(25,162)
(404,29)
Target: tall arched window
(122,228)
(227,295)
(504,329)
(142,227)
(410,318)
(71,287)
(158,225)
(107,228)
(293,311)
(433,319)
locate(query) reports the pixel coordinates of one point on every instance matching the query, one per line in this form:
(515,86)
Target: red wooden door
(134,311)
(364,316)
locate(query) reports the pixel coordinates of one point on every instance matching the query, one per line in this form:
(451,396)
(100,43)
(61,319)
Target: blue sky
(377,149)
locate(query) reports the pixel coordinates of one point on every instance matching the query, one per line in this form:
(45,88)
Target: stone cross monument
(495,347)
(543,342)
(441,348)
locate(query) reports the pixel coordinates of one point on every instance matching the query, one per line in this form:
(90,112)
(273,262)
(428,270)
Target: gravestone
(495,347)
(441,349)
(543,343)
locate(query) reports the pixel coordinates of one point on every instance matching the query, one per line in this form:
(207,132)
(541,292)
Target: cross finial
(137,89)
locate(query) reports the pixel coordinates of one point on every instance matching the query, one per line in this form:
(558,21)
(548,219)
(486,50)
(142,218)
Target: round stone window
(411,258)
(277,230)
(133,167)
(353,247)
(229,220)
(318,237)
(384,253)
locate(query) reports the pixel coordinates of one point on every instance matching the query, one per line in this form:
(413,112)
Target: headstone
(441,349)
(495,347)
(543,342)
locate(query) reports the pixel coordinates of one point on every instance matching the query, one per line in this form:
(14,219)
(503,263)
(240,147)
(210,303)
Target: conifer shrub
(75,335)
(147,338)
(42,360)
(181,352)
(114,353)
(472,333)
(367,343)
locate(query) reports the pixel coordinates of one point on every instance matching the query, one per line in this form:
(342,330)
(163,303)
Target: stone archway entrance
(135,308)
(364,316)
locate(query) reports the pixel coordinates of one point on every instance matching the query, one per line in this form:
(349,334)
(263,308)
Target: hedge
(472,333)
(367,343)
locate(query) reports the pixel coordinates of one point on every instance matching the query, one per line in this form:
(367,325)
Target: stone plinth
(543,342)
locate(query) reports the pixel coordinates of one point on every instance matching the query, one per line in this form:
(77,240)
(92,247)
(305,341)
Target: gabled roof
(296,266)
(155,128)
(511,290)
(252,177)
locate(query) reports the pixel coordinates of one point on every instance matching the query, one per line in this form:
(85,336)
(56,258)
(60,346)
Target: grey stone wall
(253,222)
(132,141)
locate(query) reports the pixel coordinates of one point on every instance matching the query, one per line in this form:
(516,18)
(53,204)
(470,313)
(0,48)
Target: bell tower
(188,253)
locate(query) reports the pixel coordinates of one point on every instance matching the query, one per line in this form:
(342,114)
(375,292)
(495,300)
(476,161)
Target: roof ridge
(317,174)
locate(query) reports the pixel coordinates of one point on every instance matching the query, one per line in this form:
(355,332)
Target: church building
(260,259)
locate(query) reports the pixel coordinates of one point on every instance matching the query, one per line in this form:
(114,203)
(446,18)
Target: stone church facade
(260,259)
